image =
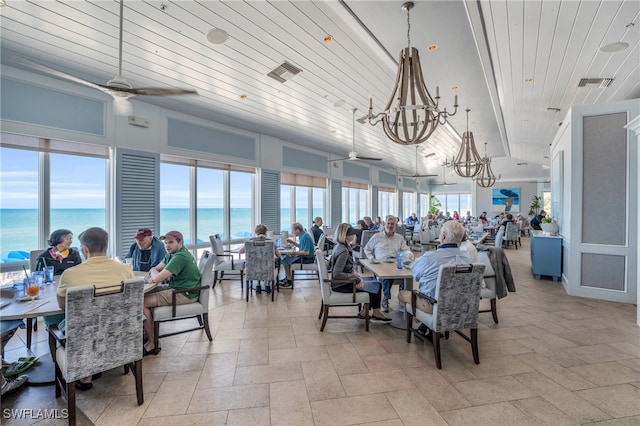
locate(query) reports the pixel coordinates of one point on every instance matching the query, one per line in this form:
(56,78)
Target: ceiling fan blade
(160,91)
(338,159)
(122,106)
(367,158)
(42,68)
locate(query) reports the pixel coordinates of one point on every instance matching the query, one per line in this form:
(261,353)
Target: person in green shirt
(180,269)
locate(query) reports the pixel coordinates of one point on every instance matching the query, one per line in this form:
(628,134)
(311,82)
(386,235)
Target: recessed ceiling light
(525,120)
(528,80)
(618,46)
(328,38)
(217,36)
(454,88)
(243,97)
(339,103)
(432,47)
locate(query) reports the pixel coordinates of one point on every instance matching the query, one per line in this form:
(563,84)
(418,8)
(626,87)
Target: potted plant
(548,225)
(534,208)
(434,204)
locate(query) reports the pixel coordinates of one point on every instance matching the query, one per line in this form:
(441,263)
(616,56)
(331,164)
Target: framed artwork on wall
(505,200)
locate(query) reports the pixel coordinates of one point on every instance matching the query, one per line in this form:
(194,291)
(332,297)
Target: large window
(240,202)
(174,200)
(424,204)
(408,203)
(46,185)
(301,199)
(210,201)
(355,202)
(387,202)
(460,202)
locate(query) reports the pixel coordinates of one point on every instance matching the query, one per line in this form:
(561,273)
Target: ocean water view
(19,227)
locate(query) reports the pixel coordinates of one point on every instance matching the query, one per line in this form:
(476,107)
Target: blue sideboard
(546,255)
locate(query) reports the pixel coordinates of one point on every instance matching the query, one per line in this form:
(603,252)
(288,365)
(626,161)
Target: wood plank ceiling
(512,61)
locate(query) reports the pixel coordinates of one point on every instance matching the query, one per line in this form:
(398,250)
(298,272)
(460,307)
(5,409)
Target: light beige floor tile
(243,334)
(173,364)
(617,400)
(501,348)
(322,380)
(168,402)
(413,408)
(539,410)
(219,371)
(123,410)
(214,418)
(312,353)
(229,398)
(268,373)
(493,390)
(499,366)
(555,372)
(546,343)
(253,352)
(607,373)
(392,422)
(597,353)
(627,421)
(502,413)
(232,321)
(91,407)
(249,416)
(290,404)
(320,339)
(346,359)
(352,410)
(385,362)
(442,395)
(566,401)
(377,382)
(197,347)
(397,345)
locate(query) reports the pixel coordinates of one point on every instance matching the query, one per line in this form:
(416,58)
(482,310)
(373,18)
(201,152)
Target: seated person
(98,270)
(147,251)
(60,255)
(425,270)
(455,216)
(483,218)
(368,222)
(377,225)
(305,254)
(361,225)
(180,269)
(261,234)
(342,269)
(537,220)
(317,231)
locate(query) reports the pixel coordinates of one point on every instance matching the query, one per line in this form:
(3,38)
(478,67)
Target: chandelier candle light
(468,162)
(486,178)
(411,115)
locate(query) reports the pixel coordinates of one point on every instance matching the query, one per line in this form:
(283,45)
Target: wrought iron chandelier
(485,178)
(411,114)
(468,162)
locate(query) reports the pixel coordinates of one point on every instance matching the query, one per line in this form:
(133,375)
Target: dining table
(45,304)
(387,269)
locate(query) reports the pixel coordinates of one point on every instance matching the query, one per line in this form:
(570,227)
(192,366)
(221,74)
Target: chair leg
(35,324)
(221,276)
(494,310)
(199,318)
(366,316)
(409,324)
(215,279)
(248,289)
(474,345)
(321,309)
(138,374)
(205,320)
(156,331)
(71,403)
(436,349)
(29,332)
(324,320)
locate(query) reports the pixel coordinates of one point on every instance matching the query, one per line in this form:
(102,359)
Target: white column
(634,126)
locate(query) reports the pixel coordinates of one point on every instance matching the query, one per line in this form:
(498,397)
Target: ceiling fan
(444,177)
(353,155)
(416,174)
(117,87)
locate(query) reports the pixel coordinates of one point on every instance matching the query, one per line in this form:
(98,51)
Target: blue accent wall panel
(25,103)
(355,171)
(207,139)
(409,183)
(387,178)
(304,160)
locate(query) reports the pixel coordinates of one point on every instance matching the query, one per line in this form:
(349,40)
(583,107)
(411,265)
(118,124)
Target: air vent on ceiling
(284,72)
(600,82)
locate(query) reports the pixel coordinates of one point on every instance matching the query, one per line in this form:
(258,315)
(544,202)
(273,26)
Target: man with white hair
(425,270)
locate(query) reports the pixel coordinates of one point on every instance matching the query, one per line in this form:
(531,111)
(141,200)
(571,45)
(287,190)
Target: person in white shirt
(386,245)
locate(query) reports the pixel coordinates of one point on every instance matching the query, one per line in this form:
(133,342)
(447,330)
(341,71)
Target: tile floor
(552,359)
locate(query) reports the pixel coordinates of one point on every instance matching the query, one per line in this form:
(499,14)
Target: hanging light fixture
(485,178)
(468,162)
(411,114)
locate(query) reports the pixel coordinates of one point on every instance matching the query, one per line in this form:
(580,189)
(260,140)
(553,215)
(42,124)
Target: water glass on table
(49,272)
(38,278)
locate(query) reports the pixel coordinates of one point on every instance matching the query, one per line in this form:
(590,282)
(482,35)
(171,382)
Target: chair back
(321,241)
(323,274)
(313,237)
(499,237)
(103,331)
(458,296)
(205,266)
(217,248)
(33,257)
(512,231)
(366,236)
(259,260)
(401,229)
(329,230)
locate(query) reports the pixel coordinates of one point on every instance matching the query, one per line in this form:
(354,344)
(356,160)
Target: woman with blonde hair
(342,269)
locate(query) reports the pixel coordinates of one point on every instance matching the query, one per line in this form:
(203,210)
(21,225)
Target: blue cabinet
(546,255)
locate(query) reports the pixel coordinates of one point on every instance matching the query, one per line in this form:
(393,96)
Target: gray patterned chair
(225,263)
(259,264)
(455,307)
(103,331)
(198,310)
(488,290)
(511,234)
(333,298)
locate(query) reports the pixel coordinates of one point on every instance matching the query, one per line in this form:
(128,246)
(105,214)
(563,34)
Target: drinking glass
(38,277)
(48,274)
(32,288)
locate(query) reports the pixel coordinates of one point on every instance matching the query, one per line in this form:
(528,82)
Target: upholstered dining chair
(455,307)
(103,331)
(198,309)
(260,265)
(488,288)
(333,299)
(224,262)
(364,239)
(511,234)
